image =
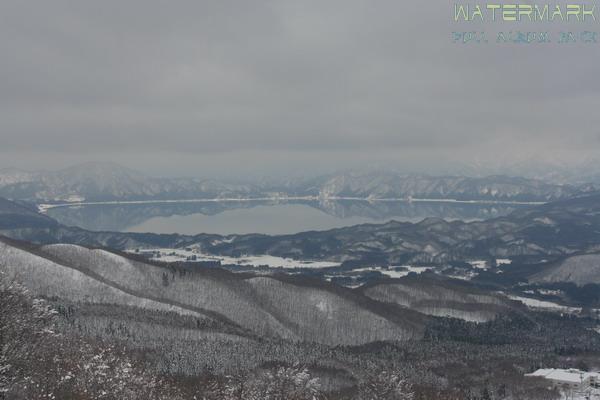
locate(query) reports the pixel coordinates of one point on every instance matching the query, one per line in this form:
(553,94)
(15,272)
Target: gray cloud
(242,85)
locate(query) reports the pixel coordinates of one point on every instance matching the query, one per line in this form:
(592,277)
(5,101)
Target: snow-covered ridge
(50,279)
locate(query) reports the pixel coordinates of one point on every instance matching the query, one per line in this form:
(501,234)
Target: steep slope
(262,306)
(203,292)
(50,279)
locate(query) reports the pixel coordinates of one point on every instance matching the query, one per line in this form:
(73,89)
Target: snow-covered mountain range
(112,182)
(108,181)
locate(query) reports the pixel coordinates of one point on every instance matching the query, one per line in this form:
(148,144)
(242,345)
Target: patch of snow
(367,269)
(322,306)
(73,198)
(545,305)
(407,269)
(549,292)
(221,241)
(193,255)
(545,221)
(466,277)
(395,274)
(479,264)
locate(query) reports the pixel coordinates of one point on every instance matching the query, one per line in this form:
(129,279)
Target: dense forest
(52,348)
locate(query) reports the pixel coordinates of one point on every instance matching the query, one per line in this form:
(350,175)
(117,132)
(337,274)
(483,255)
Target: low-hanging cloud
(242,82)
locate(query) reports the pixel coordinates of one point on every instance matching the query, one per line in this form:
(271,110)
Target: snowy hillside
(433,296)
(579,269)
(51,279)
(265,306)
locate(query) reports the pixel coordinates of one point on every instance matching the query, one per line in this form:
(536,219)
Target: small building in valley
(569,380)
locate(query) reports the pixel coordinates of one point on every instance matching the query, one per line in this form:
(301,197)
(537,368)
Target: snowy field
(545,305)
(392,273)
(479,264)
(193,255)
(395,271)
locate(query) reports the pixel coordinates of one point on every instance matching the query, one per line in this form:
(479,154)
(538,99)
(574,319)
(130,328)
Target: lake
(262,216)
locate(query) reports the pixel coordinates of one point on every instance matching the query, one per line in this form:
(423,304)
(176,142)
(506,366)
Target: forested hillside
(182,332)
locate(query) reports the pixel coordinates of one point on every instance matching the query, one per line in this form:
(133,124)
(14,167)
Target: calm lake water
(260,216)
(270,219)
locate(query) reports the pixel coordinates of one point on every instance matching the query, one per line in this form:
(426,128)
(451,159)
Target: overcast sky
(247,87)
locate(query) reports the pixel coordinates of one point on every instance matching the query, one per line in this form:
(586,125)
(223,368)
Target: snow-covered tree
(385,385)
(39,362)
(284,382)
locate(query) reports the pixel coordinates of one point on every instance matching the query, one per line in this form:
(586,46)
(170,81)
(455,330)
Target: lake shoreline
(44,207)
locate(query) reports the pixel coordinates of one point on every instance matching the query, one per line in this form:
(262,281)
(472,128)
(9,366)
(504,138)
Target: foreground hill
(255,306)
(203,332)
